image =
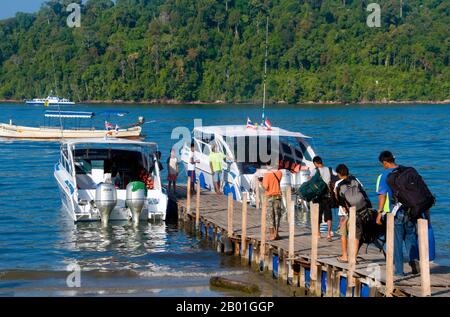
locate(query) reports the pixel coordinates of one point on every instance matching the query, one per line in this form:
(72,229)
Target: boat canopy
(68,114)
(242,131)
(109,141)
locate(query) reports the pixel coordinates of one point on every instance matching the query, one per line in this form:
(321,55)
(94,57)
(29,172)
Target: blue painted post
(365,290)
(275,266)
(307,278)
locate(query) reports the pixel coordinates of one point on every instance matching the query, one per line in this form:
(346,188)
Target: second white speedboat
(110,179)
(248,150)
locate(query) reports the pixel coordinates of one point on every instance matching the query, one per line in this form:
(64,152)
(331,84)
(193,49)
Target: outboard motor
(136,195)
(105,200)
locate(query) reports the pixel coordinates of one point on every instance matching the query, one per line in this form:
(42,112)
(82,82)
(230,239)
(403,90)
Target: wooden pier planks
(213,209)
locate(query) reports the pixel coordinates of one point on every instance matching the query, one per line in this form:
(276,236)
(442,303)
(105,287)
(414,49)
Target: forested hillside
(210,50)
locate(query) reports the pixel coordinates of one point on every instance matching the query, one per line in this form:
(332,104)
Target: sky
(8,8)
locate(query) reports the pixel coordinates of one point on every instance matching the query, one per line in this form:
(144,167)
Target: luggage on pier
(409,189)
(314,188)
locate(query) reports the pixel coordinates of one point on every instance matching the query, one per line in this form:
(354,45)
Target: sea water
(38,241)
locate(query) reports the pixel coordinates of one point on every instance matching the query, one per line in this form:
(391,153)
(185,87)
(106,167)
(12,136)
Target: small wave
(183,274)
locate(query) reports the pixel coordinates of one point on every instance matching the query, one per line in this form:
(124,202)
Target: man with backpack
(350,193)
(325,199)
(402,191)
(271,184)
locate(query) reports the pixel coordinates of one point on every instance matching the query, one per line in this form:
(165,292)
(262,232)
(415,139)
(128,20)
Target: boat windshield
(251,153)
(124,163)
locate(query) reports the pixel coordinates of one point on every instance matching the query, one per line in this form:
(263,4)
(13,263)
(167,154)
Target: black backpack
(409,189)
(372,233)
(334,203)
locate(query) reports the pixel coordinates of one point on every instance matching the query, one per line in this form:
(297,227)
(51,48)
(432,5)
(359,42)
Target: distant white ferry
(49,101)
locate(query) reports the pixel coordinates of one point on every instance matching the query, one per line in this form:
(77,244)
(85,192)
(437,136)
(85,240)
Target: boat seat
(84,181)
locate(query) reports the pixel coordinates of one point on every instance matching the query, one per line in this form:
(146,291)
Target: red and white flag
(267,125)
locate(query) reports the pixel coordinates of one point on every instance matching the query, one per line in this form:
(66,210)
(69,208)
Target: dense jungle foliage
(208,50)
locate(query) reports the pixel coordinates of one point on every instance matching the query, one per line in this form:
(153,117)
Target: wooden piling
(352,247)
(268,260)
(257,203)
(236,247)
(244,251)
(329,289)
(214,235)
(256,259)
(301,277)
(282,272)
(389,255)
(314,239)
(291,249)
(357,287)
(188,198)
(316,285)
(295,277)
(263,232)
(337,284)
(197,208)
(422,226)
(230,215)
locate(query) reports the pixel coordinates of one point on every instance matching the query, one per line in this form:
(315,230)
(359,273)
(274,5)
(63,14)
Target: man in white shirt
(324,202)
(191,167)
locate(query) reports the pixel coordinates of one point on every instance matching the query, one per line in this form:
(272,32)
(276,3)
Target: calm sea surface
(38,241)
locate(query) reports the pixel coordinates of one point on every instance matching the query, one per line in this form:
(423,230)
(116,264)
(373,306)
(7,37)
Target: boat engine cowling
(136,195)
(105,200)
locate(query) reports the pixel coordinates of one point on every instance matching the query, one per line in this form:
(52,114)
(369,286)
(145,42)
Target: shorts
(172,178)
(192,175)
(274,209)
(325,211)
(216,176)
(344,229)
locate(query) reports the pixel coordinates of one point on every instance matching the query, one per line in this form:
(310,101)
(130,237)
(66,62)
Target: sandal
(329,239)
(339,259)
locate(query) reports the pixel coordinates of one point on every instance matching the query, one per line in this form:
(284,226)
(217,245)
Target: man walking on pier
(404,228)
(324,201)
(271,184)
(216,159)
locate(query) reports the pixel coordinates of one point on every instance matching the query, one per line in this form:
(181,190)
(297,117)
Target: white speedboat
(248,150)
(110,179)
(50,101)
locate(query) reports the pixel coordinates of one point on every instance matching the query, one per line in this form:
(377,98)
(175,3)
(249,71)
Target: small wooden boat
(50,133)
(12,131)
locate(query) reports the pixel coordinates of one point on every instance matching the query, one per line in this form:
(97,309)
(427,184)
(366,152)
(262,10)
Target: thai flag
(250,123)
(108,125)
(267,125)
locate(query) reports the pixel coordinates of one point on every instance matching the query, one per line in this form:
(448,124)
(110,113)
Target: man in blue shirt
(404,229)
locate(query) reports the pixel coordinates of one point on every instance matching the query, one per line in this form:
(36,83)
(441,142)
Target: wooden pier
(307,264)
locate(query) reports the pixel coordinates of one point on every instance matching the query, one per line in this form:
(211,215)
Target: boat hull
(155,207)
(23,132)
(43,103)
